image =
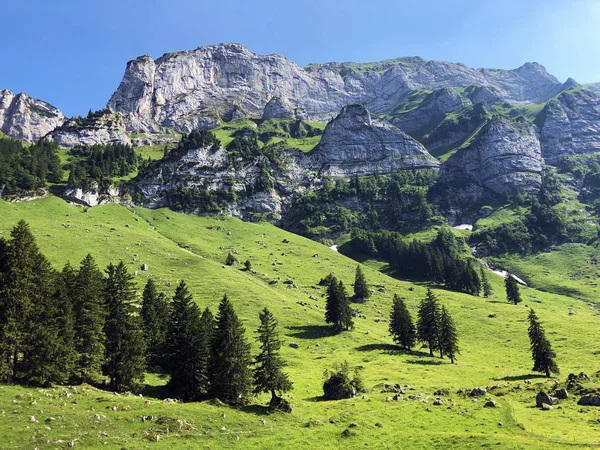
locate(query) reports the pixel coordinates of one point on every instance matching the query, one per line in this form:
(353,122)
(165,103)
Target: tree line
(441,260)
(79,325)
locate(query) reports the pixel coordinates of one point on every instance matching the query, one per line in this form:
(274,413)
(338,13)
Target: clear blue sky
(72,53)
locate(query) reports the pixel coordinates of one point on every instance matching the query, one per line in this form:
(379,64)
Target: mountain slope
(178,246)
(199,88)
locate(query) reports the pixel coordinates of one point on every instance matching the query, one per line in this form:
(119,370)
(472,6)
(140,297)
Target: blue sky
(72,53)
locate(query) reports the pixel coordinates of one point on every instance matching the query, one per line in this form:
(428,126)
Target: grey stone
(547,407)
(589,400)
(543,398)
(561,394)
(490,404)
(478,392)
(27,118)
(278,108)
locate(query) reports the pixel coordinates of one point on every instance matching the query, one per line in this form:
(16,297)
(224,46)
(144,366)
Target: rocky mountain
(505,155)
(571,125)
(26,118)
(199,88)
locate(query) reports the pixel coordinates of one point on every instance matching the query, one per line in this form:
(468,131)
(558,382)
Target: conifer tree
(87,295)
(332,305)
(51,356)
(448,336)
(125,360)
(268,374)
(26,280)
(402,327)
(346,321)
(184,361)
(428,329)
(203,349)
(155,308)
(230,373)
(485,283)
(512,290)
(541,350)
(361,291)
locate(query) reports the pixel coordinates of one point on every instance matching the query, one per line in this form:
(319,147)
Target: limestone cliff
(571,125)
(503,156)
(26,118)
(198,88)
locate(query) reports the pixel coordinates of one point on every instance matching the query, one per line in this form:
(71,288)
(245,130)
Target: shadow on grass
(311,331)
(390,349)
(318,398)
(520,377)
(426,362)
(257,410)
(160,392)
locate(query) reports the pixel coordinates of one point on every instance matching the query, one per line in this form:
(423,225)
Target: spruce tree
(361,291)
(448,336)
(184,362)
(51,356)
(87,295)
(346,321)
(485,283)
(402,327)
(428,329)
(230,373)
(541,350)
(203,349)
(512,290)
(268,374)
(155,308)
(332,305)
(26,281)
(125,360)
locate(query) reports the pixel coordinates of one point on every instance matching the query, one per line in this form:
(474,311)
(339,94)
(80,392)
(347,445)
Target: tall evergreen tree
(87,295)
(512,290)
(203,349)
(448,336)
(268,374)
(51,353)
(541,350)
(125,360)
(402,327)
(332,305)
(230,373)
(428,329)
(185,363)
(485,283)
(361,291)
(155,308)
(346,321)
(26,281)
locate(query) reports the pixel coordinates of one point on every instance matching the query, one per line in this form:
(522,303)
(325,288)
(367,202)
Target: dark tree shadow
(257,410)
(319,398)
(160,392)
(390,349)
(311,331)
(520,377)
(426,362)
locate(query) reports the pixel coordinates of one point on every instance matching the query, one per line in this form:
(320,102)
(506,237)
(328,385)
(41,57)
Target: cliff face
(26,118)
(355,143)
(503,156)
(108,128)
(198,88)
(571,125)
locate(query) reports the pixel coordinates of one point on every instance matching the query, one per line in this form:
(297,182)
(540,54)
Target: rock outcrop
(356,143)
(26,118)
(278,108)
(197,89)
(104,128)
(503,156)
(430,109)
(571,125)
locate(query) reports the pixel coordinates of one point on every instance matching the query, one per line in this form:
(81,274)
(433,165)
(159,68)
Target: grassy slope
(175,246)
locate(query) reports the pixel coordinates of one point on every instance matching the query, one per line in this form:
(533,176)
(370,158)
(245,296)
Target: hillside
(494,350)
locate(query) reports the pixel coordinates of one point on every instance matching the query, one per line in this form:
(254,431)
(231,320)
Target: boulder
(478,392)
(543,398)
(547,407)
(561,394)
(278,108)
(293,345)
(438,402)
(490,404)
(589,400)
(280,404)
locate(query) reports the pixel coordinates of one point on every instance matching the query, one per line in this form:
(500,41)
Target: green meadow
(493,340)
